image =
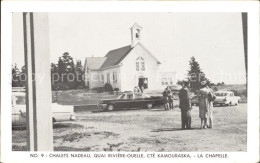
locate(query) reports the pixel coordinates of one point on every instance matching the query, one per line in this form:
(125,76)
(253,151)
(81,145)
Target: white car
(226,98)
(59,112)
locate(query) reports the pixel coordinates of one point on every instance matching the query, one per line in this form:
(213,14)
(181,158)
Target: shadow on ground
(172,129)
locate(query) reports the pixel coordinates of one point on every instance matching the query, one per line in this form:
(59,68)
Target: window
(123,96)
(114,77)
(170,81)
(130,96)
(108,78)
(102,78)
(20,100)
(140,62)
(138,96)
(143,66)
(137,66)
(167,81)
(137,35)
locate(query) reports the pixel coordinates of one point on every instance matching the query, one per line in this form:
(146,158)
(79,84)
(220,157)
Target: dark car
(130,100)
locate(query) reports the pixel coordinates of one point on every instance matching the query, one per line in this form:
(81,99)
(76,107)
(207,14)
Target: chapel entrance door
(143,82)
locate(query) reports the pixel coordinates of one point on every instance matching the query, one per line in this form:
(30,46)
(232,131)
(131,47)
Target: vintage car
(130,100)
(226,98)
(59,112)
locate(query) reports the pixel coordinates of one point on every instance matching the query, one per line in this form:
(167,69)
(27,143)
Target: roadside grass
(79,97)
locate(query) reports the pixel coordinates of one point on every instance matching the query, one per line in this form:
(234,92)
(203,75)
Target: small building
(124,68)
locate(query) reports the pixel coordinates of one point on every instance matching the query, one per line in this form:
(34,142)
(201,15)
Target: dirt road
(148,130)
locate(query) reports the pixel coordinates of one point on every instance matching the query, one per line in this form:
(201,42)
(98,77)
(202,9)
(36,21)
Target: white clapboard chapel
(125,67)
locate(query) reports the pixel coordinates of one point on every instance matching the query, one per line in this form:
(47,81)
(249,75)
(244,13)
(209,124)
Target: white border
(252,8)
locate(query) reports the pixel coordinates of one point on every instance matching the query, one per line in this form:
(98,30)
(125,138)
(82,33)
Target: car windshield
(122,96)
(220,94)
(130,96)
(19,100)
(138,96)
(146,96)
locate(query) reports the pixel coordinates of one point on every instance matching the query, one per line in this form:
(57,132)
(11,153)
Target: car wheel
(110,107)
(149,105)
(229,104)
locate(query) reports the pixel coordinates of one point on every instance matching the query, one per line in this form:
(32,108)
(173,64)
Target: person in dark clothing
(165,99)
(185,106)
(142,89)
(170,99)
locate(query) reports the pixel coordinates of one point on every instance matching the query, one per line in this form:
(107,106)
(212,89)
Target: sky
(214,39)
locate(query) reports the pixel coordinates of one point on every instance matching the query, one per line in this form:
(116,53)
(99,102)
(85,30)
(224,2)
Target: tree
(65,66)
(195,75)
(79,72)
(23,77)
(54,75)
(15,76)
(67,62)
(69,75)
(18,77)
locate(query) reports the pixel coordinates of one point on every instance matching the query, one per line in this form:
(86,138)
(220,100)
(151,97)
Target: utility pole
(38,85)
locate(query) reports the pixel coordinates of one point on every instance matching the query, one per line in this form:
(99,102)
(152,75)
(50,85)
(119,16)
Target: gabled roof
(136,26)
(114,57)
(94,63)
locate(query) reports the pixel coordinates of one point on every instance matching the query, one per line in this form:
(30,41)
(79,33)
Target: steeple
(135,34)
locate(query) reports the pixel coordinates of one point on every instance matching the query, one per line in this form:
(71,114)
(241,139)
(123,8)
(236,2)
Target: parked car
(226,98)
(59,112)
(130,100)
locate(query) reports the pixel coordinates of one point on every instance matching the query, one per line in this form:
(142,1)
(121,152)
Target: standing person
(185,106)
(205,105)
(142,88)
(212,98)
(145,84)
(135,90)
(170,98)
(165,99)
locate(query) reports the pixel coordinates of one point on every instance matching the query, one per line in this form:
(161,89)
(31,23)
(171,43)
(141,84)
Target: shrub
(80,87)
(71,84)
(60,86)
(108,87)
(98,89)
(242,92)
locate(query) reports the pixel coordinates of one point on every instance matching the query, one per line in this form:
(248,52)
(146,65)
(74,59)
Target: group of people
(206,98)
(168,99)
